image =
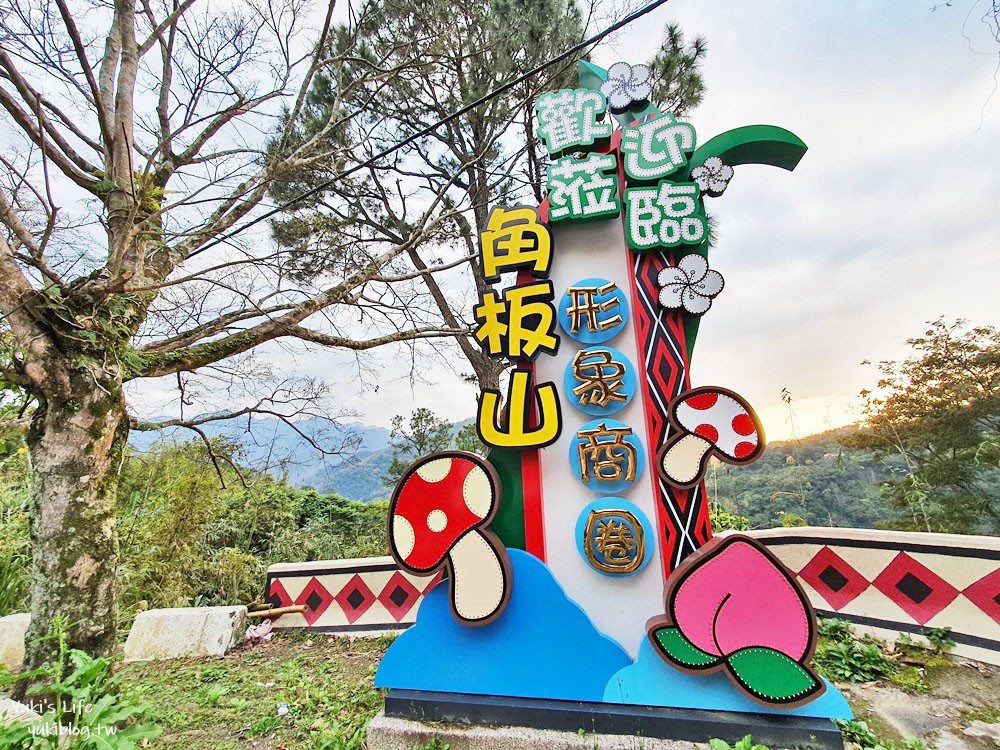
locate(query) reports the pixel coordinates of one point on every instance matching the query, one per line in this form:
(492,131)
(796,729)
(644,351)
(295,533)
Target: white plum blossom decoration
(690,285)
(627,85)
(713,176)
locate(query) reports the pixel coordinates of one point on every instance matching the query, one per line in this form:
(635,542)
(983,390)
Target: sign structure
(580,559)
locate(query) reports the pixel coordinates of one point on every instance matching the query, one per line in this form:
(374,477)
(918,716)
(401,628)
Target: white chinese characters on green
(665,215)
(657,148)
(583,188)
(570,118)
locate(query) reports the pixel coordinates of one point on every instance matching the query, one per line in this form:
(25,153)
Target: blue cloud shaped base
(544,646)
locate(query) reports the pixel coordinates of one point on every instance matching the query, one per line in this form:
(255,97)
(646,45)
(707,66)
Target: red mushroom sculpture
(709,421)
(438,518)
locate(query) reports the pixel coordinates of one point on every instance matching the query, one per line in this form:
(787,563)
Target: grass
(987,715)
(296,692)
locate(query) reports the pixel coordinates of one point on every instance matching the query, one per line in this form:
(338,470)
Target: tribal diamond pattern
(681,514)
(919,591)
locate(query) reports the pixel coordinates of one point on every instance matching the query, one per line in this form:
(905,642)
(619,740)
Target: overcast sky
(890,220)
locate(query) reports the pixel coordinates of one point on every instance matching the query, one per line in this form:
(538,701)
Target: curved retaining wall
(884,582)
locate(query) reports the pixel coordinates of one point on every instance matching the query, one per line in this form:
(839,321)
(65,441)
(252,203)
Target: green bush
(88,711)
(186,540)
(834,629)
(862,736)
(725,521)
(852,660)
(746,743)
(15,556)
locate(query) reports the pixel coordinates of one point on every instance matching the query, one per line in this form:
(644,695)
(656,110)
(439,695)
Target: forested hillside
(817,480)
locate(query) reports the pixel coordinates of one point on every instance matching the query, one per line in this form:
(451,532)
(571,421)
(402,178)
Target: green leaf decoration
(680,650)
(753,144)
(772,676)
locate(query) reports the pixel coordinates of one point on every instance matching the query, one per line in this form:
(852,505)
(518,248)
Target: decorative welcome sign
(579,558)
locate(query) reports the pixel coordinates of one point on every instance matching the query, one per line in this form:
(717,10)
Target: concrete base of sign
(184,633)
(12,630)
(512,717)
(387,733)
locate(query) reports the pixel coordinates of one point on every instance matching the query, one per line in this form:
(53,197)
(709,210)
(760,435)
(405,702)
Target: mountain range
(355,473)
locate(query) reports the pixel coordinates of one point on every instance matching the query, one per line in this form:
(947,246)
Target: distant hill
(286,453)
(816,478)
(355,475)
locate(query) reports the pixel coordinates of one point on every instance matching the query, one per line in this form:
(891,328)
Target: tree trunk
(77,445)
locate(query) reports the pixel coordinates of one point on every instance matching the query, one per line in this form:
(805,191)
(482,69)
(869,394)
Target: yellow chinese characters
(514,428)
(515,239)
(518,325)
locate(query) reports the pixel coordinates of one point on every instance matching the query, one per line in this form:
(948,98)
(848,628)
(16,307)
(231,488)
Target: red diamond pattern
(833,578)
(985,594)
(399,596)
(316,598)
(355,598)
(277,596)
(920,592)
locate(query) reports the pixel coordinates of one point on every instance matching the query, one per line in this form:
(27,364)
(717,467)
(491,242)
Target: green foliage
(746,743)
(938,412)
(851,660)
(939,638)
(434,743)
(910,679)
(678,85)
(828,484)
(723,521)
(186,540)
(15,554)
(467,439)
(424,433)
(862,735)
(835,630)
(986,714)
(324,683)
(88,712)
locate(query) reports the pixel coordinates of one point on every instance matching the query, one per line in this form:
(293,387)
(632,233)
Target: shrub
(88,711)
(746,743)
(834,629)
(852,661)
(725,521)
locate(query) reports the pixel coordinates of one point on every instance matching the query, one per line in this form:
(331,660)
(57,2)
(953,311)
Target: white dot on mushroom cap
(437,520)
(435,471)
(403,536)
(477,491)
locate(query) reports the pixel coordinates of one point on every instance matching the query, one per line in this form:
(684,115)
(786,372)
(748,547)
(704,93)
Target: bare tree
(147,131)
(491,157)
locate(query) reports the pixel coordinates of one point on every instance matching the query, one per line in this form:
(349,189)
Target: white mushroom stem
(478,585)
(682,461)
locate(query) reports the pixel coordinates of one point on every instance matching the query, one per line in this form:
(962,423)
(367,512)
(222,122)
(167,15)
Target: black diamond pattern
(313,601)
(399,596)
(997,599)
(355,599)
(913,588)
(833,578)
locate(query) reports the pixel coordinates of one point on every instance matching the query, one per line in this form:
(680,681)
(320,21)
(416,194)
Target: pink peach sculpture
(732,606)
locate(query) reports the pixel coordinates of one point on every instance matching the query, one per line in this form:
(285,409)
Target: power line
(648,8)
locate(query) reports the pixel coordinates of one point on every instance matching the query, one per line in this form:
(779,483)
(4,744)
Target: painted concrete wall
(885,582)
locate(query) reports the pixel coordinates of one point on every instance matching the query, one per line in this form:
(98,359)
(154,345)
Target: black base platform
(607,718)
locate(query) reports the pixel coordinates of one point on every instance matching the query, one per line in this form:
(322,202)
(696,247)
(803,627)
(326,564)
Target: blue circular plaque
(599,380)
(593,311)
